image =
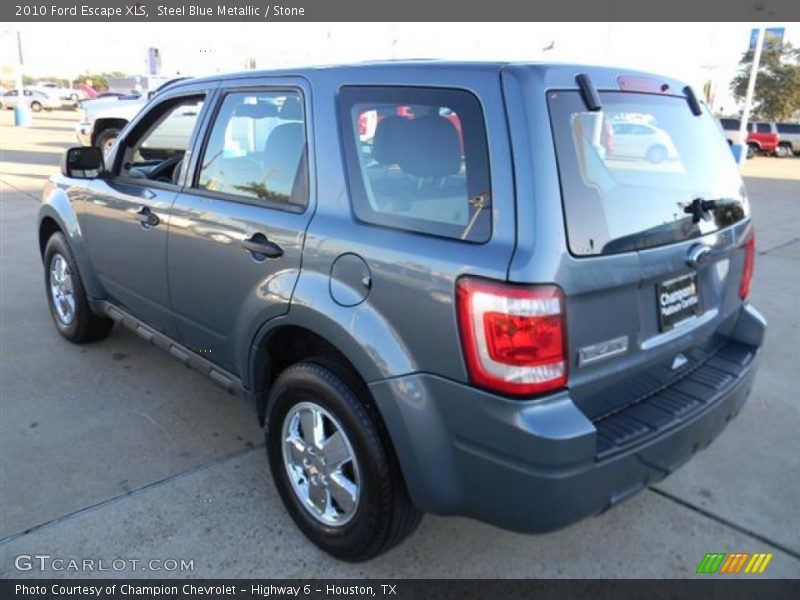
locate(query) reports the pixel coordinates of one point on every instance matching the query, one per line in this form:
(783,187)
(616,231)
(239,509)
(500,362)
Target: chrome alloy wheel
(61,289)
(321,464)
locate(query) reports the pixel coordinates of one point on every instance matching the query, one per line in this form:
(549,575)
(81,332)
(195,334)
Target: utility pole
(748,99)
(19,63)
(22,115)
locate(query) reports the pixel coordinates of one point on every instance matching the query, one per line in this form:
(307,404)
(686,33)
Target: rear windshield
(642,172)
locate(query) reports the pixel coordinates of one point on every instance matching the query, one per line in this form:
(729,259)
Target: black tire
(85,326)
(384,515)
(656,154)
(74,97)
(36,106)
(752,150)
(106,138)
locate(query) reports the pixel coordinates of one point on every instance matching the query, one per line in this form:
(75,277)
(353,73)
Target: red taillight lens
(747,271)
(513,337)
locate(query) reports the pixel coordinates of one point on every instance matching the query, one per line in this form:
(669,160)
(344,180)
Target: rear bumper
(535,466)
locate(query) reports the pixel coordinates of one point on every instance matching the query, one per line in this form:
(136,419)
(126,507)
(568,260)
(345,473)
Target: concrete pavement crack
(134,492)
(20,190)
(779,246)
(726,522)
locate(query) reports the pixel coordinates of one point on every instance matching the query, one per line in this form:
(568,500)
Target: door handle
(146,217)
(261,247)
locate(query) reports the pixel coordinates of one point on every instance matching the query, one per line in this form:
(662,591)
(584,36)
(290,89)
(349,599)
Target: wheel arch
(47,227)
(57,215)
(103,123)
(356,336)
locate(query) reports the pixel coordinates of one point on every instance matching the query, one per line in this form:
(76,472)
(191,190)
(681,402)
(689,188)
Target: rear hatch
(656,222)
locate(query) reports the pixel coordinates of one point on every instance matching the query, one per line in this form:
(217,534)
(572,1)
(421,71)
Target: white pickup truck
(104,118)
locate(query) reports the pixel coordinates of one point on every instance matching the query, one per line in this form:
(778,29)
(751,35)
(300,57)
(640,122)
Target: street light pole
(20,82)
(22,115)
(748,98)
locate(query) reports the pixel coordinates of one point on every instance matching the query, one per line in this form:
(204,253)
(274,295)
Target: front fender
(56,205)
(359,332)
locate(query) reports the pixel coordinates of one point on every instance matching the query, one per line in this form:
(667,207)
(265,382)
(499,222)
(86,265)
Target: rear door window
(417,159)
(256,150)
(632,174)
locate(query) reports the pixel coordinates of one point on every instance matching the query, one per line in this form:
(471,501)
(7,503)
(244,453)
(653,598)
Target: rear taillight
(513,337)
(747,271)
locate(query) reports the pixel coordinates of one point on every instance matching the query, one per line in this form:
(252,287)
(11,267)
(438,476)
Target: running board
(191,359)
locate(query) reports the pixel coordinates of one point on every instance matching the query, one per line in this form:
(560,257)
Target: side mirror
(83,162)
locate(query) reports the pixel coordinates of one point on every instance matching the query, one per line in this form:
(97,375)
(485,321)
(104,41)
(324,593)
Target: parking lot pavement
(113,450)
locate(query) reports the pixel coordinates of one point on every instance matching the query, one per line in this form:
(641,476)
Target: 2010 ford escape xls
(515,292)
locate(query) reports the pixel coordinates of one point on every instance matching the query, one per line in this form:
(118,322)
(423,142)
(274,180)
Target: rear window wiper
(588,92)
(694,103)
(479,202)
(700,209)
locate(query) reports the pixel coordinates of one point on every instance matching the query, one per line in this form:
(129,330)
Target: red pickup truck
(762,136)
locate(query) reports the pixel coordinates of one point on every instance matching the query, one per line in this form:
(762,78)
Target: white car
(642,140)
(65,93)
(34,99)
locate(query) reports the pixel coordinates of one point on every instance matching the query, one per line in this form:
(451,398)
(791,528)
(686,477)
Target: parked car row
(44,95)
(764,137)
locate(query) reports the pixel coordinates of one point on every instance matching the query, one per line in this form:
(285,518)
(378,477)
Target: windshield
(642,172)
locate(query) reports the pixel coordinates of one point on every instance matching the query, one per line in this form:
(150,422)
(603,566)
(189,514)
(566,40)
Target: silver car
(34,99)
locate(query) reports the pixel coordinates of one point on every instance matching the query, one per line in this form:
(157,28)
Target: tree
(99,80)
(777,94)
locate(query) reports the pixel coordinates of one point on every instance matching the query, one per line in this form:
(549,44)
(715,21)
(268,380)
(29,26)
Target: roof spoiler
(588,92)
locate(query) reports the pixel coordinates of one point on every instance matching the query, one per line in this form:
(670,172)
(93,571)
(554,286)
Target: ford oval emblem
(698,255)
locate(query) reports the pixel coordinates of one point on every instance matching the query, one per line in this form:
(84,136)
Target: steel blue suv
(460,288)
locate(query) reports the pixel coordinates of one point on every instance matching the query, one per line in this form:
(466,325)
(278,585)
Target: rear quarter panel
(408,321)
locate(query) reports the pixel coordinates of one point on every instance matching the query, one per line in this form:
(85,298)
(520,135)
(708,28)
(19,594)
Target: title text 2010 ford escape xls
(515,292)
